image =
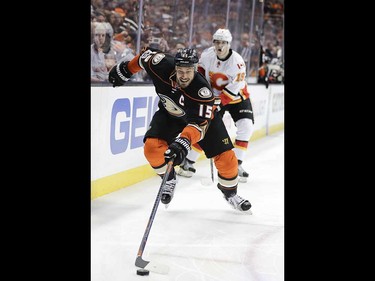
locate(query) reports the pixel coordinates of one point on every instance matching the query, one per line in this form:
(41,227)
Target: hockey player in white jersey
(226,71)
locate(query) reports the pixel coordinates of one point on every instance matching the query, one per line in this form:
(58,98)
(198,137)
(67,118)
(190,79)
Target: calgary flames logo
(218,80)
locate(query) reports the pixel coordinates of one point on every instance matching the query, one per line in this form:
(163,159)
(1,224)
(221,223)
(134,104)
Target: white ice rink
(200,237)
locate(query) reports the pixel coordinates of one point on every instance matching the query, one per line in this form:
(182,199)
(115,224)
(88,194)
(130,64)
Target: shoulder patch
(204,92)
(157,58)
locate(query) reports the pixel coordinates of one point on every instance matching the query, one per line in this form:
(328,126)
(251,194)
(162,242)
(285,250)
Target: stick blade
(152,266)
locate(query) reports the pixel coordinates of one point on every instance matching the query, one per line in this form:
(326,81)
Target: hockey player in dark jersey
(186,116)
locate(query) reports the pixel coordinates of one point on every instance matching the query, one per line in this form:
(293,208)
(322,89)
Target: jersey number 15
(205,111)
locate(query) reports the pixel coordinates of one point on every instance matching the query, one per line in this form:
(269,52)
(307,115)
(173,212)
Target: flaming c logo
(218,80)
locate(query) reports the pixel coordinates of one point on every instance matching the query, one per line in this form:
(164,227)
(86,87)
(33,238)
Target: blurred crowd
(166,25)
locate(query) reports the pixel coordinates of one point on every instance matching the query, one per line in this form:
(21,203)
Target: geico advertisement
(259,100)
(277,105)
(119,120)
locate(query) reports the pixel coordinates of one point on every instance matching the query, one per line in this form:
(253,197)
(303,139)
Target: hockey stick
(139,261)
(206,181)
(212,169)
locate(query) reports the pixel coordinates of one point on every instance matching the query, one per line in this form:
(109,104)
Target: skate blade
(248,212)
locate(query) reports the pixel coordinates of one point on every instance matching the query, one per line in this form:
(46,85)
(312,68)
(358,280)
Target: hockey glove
(179,148)
(217,104)
(218,107)
(119,74)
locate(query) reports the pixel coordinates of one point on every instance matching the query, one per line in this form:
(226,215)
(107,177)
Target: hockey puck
(142,272)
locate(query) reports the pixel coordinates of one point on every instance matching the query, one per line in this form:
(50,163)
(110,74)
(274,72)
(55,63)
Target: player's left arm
(199,111)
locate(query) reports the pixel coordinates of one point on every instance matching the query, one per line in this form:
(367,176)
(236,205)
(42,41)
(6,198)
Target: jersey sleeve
(139,62)
(202,62)
(156,63)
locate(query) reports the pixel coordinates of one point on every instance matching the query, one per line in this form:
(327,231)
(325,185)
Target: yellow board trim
(117,181)
(274,128)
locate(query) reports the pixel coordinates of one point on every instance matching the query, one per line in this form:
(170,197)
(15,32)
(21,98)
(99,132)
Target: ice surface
(200,237)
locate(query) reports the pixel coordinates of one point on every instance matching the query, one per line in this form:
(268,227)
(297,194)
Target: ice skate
(168,191)
(237,202)
(186,168)
(242,174)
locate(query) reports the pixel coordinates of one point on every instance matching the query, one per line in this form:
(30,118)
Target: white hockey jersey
(227,77)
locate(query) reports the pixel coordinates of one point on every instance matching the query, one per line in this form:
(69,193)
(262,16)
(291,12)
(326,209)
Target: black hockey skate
(168,191)
(234,200)
(237,202)
(242,174)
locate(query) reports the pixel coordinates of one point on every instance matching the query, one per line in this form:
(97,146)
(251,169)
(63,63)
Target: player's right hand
(117,75)
(178,149)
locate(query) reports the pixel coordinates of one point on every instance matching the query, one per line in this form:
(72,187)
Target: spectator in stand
(179,45)
(99,51)
(244,49)
(99,16)
(121,47)
(110,60)
(116,21)
(263,68)
(157,41)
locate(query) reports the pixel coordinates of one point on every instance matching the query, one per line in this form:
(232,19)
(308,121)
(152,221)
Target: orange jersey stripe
(133,65)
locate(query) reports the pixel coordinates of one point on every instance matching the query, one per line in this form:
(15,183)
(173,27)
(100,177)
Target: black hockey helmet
(186,57)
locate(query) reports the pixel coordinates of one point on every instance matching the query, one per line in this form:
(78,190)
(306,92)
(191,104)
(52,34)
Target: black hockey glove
(119,74)
(179,148)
